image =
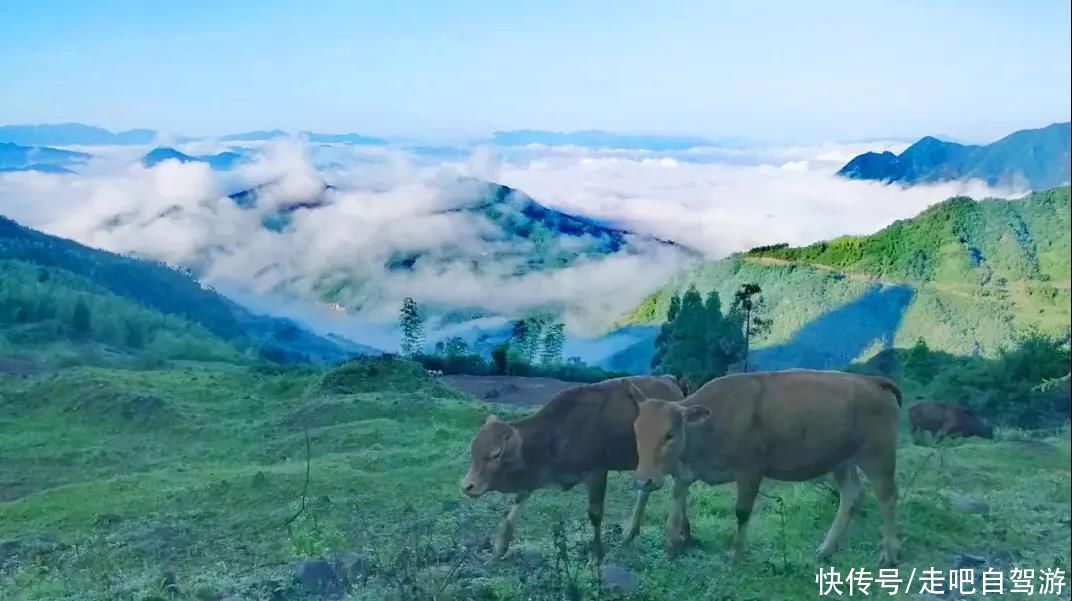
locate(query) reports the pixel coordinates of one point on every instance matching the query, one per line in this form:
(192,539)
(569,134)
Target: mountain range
(78,134)
(15,157)
(223,160)
(521,236)
(72,134)
(966,276)
(597,139)
(1034,158)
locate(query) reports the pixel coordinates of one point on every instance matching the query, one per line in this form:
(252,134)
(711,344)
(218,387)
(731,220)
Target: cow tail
(890,386)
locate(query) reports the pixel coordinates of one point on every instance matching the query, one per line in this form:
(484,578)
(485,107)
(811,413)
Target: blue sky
(776,71)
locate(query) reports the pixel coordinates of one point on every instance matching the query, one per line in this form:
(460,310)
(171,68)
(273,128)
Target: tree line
(697,341)
(700,342)
(535,348)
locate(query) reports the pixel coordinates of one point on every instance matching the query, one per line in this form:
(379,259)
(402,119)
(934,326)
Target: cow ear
(491,419)
(695,414)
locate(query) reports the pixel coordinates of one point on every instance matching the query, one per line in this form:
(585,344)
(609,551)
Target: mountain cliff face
(1033,158)
(964,275)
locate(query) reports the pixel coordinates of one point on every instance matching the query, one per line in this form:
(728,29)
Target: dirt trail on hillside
(865,277)
(509,390)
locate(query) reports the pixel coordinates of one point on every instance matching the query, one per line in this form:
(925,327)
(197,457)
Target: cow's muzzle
(472,489)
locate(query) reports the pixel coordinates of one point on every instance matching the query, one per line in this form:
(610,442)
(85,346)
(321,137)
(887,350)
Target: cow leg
(881,471)
(506,529)
(747,489)
(633,529)
(848,484)
(597,492)
(677,518)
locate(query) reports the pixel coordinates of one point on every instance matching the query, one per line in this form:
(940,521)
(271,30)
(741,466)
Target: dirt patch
(509,390)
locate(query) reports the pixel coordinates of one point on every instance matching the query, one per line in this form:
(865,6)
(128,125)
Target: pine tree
(80,320)
(749,307)
(500,357)
(533,337)
(918,362)
(553,341)
(662,340)
(698,341)
(412,325)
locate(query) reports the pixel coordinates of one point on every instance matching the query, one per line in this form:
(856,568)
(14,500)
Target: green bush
(367,374)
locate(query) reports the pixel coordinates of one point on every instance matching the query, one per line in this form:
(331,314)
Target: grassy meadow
(216,482)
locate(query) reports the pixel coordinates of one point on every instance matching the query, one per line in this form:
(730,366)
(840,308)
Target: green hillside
(964,275)
(134,305)
(221,482)
(51,314)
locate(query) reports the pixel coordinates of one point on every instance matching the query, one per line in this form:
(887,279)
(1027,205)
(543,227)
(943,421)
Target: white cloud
(719,208)
(713,200)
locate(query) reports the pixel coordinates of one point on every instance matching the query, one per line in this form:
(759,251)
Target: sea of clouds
(389,200)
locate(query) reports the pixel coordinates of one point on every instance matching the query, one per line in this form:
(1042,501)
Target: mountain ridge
(17,157)
(222,160)
(965,275)
(170,291)
(1038,158)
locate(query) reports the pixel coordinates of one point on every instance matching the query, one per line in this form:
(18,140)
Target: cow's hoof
(674,548)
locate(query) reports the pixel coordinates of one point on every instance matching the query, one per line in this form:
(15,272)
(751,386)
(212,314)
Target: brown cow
(946,420)
(580,435)
(791,425)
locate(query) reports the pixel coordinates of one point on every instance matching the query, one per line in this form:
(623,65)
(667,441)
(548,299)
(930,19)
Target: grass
(201,493)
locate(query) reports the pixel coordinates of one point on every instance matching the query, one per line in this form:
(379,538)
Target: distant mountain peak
(1038,158)
(222,161)
(72,134)
(15,157)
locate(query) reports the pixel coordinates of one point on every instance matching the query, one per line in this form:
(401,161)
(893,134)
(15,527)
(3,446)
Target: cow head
(661,429)
(495,450)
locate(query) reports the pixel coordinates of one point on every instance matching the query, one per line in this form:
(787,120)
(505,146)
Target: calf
(580,435)
(946,420)
(791,425)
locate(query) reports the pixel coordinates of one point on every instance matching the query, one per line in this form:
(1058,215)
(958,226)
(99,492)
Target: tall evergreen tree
(749,308)
(699,342)
(412,325)
(80,320)
(662,340)
(554,339)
